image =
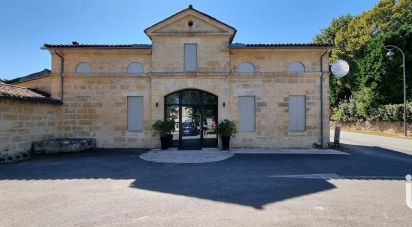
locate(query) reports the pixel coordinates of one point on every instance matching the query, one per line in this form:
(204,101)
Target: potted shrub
(226,129)
(164,129)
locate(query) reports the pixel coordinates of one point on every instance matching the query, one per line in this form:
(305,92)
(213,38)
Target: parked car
(189,129)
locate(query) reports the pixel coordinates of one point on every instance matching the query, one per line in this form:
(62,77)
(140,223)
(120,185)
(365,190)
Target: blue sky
(26,25)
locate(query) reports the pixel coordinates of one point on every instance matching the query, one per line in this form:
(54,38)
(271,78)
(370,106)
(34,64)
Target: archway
(195,114)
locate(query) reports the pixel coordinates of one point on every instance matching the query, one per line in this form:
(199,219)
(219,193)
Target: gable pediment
(198,26)
(190,21)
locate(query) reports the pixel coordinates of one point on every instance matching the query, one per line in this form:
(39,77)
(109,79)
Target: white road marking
(329,176)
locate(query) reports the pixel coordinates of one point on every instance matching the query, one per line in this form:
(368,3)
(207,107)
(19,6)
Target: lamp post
(390,53)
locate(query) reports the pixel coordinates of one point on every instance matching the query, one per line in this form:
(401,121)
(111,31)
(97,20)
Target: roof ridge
(79,45)
(246,45)
(282,43)
(102,44)
(33,76)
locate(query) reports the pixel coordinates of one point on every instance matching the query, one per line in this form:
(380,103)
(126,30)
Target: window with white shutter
(247,114)
(135,120)
(297,113)
(191,57)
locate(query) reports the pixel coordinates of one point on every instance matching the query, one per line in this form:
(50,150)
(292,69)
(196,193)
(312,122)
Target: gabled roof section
(97,46)
(195,13)
(8,91)
(42,74)
(278,45)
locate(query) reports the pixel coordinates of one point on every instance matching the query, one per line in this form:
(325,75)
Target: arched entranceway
(195,114)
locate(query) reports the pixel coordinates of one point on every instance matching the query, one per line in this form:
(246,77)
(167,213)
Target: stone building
(192,73)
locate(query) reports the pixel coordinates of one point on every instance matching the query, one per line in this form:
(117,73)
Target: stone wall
(23,122)
(276,60)
(95,106)
(383,127)
(168,53)
(271,92)
(102,61)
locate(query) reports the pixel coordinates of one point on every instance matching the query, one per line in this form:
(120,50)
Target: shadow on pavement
(378,152)
(245,179)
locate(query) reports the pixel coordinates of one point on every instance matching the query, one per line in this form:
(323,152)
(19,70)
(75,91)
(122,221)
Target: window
(297,113)
(296,67)
(135,68)
(190,57)
(247,114)
(83,68)
(246,67)
(135,120)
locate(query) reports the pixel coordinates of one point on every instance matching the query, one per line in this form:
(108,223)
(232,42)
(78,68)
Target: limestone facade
(21,123)
(95,103)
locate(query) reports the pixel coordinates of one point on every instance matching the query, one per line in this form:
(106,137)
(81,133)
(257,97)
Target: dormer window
(190,57)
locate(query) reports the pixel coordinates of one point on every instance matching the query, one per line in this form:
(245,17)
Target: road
(390,143)
(116,188)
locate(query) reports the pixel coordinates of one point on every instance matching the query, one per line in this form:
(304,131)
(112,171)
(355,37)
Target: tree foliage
(348,111)
(374,79)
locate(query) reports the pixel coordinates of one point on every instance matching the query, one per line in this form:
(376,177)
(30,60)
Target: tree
(340,89)
(328,34)
(373,79)
(383,76)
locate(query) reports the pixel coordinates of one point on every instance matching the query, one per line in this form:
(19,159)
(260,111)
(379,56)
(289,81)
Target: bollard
(337,137)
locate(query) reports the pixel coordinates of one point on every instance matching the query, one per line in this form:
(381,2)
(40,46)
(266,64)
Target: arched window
(296,67)
(135,67)
(83,68)
(246,67)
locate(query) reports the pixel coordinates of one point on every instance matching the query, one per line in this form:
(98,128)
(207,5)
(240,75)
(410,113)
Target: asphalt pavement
(114,187)
(391,143)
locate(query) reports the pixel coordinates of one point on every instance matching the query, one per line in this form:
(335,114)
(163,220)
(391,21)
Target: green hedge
(348,111)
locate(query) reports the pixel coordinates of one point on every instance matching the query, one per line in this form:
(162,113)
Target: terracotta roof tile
(278,45)
(103,46)
(33,76)
(8,91)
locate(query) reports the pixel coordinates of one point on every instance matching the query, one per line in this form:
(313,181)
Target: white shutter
(297,113)
(135,119)
(247,114)
(190,57)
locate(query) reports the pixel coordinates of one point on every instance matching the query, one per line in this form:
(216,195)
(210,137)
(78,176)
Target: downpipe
(321,97)
(61,74)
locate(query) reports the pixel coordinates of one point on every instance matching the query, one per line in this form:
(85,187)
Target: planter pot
(164,142)
(169,140)
(225,142)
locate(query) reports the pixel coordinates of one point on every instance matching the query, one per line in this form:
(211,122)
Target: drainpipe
(321,97)
(61,74)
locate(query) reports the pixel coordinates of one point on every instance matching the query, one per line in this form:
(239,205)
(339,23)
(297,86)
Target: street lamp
(390,54)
